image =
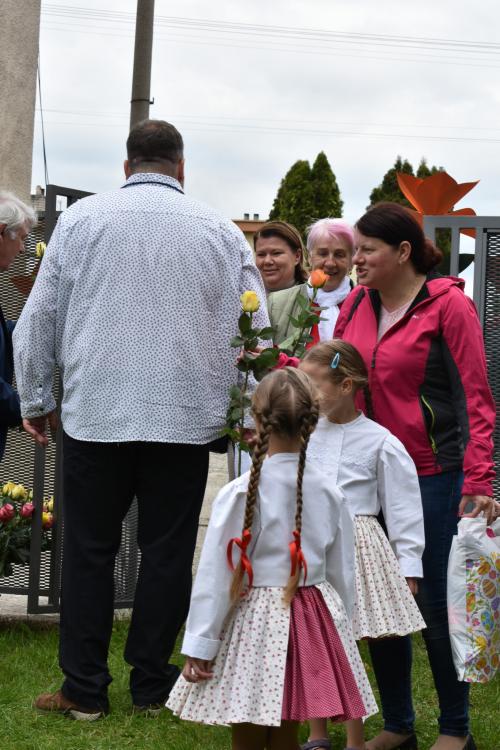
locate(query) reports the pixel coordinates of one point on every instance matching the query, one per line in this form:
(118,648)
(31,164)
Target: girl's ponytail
(244,565)
(298,562)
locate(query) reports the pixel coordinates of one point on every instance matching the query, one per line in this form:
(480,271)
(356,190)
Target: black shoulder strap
(359,297)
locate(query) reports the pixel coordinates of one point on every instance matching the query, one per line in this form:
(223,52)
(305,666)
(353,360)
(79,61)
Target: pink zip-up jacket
(428,378)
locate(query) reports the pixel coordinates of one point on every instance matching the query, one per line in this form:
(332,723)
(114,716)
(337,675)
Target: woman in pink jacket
(421,340)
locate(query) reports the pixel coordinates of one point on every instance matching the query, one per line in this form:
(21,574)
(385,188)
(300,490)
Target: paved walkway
(14,606)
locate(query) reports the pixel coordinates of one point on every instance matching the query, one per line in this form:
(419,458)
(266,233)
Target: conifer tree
(327,200)
(388,190)
(294,201)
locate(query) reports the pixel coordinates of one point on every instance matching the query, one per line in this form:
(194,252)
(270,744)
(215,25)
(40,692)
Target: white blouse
(375,472)
(327,543)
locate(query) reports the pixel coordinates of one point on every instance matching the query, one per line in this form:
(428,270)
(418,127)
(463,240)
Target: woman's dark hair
(394,224)
(291,236)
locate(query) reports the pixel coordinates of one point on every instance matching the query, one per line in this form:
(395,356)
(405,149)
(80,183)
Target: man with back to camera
(136,301)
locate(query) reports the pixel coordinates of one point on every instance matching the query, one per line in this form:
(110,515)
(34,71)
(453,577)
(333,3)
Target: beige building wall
(19,37)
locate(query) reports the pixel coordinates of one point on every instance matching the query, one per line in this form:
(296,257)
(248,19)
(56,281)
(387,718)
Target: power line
(246,119)
(280,48)
(280,32)
(214,127)
(46,170)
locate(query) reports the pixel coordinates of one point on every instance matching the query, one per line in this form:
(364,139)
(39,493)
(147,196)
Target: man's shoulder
(153,197)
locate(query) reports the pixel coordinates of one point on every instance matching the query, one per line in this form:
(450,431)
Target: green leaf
(289,342)
(266,333)
(234,392)
(302,301)
(237,341)
(244,323)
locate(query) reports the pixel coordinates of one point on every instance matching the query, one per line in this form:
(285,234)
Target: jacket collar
(434,286)
(144,178)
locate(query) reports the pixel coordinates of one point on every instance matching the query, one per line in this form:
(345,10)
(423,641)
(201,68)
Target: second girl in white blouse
(375,473)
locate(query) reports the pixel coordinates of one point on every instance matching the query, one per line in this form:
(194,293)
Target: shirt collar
(141,178)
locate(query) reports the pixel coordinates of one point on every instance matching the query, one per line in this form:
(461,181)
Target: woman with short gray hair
(16,221)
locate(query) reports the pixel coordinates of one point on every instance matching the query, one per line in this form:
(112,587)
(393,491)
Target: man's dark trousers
(100,482)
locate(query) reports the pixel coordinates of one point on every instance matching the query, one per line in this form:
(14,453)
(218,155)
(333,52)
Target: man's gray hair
(15,214)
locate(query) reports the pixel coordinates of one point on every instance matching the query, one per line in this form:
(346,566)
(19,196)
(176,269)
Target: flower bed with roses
(16,516)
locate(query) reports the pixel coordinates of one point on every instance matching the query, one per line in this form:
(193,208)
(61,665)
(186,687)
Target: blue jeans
(392,658)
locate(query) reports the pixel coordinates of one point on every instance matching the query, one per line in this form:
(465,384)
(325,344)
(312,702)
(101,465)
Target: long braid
(259,453)
(307,427)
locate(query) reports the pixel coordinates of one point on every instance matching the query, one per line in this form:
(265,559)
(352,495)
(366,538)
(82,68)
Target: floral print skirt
(281,662)
(385,605)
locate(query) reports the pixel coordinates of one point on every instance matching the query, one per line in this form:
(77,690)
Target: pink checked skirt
(279,662)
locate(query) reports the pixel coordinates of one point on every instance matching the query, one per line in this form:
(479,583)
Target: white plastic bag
(474,599)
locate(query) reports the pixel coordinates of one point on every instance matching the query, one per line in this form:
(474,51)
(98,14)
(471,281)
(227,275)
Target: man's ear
(180,172)
(126,168)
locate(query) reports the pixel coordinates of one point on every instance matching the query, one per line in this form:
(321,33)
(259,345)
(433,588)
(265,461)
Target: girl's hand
(481,503)
(196,670)
(413,585)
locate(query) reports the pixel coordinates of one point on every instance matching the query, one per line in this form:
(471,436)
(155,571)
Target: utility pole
(141,81)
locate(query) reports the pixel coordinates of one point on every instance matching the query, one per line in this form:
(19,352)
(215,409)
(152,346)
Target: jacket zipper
(433,424)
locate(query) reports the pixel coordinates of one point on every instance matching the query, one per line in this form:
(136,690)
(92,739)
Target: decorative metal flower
(436,195)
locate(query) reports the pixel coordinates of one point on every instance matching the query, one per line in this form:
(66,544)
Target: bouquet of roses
(16,514)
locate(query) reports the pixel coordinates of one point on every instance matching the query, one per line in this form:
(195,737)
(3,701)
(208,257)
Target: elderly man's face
(10,247)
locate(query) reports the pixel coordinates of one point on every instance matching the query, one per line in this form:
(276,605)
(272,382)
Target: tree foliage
(306,194)
(388,190)
(326,193)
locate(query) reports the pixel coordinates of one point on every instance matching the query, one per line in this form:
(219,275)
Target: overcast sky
(250,99)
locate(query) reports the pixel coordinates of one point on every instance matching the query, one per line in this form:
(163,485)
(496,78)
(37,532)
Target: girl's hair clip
(335,361)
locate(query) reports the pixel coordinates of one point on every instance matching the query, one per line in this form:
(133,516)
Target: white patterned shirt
(136,301)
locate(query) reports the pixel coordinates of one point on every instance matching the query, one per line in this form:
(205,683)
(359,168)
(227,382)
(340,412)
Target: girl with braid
(268,639)
(375,473)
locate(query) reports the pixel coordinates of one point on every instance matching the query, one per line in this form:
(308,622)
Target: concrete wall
(19,36)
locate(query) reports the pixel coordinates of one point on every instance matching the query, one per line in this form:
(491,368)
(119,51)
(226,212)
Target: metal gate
(486,293)
(40,469)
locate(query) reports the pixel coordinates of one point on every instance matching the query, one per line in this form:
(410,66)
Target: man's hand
(196,670)
(36,427)
(413,585)
(481,503)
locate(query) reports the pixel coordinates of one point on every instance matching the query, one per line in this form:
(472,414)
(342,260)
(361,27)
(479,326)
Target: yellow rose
(18,492)
(40,249)
(249,302)
(47,520)
(49,505)
(8,487)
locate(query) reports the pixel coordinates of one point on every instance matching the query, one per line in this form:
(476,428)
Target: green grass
(28,666)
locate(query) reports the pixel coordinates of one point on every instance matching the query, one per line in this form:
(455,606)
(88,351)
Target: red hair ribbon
(297,556)
(242,543)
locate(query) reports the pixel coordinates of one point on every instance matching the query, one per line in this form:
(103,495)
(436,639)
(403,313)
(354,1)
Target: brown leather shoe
(57,702)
